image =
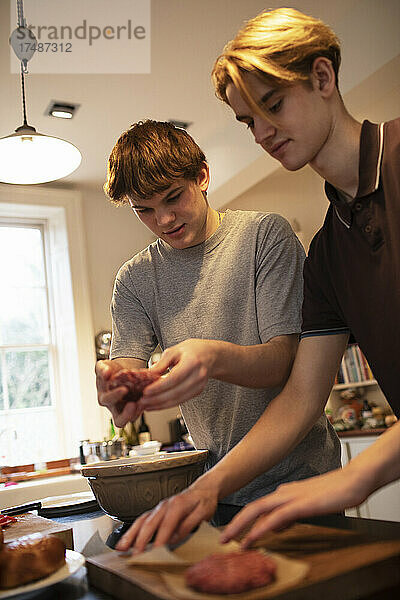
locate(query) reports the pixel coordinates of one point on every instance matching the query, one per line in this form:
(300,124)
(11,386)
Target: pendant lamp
(27,156)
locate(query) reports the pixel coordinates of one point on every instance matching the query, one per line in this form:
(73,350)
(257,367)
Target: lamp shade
(28,157)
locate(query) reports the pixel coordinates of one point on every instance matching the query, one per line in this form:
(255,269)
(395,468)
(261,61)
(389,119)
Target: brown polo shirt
(352,273)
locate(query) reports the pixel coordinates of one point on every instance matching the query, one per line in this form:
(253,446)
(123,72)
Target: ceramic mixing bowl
(127,487)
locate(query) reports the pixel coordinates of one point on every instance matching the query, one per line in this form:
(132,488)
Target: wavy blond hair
(279,45)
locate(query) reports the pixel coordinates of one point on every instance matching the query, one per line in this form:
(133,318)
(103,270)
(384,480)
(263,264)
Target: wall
(113,235)
(296,196)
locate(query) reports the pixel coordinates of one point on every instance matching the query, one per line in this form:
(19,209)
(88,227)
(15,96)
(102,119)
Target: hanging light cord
(20,13)
(23,95)
(21,23)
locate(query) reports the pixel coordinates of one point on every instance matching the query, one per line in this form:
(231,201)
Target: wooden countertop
(351,561)
(365,551)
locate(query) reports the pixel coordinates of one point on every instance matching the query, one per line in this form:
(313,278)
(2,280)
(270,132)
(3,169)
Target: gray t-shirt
(242,285)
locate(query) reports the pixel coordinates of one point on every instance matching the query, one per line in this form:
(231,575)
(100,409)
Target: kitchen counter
(89,527)
(30,491)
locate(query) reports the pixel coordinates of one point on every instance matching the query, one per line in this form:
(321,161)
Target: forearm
(258,366)
(286,420)
(379,464)
(274,436)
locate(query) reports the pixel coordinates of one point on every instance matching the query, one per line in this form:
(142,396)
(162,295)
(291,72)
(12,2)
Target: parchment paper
(171,566)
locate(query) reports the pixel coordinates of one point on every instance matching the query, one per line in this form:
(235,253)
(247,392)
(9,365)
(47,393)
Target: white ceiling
(186,37)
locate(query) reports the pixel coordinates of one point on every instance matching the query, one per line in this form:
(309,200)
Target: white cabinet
(345,445)
(383,504)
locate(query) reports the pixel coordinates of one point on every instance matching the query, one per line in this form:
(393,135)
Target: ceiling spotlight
(61,110)
(180,124)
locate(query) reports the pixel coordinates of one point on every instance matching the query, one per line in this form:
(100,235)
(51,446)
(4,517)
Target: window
(24,320)
(27,401)
(47,388)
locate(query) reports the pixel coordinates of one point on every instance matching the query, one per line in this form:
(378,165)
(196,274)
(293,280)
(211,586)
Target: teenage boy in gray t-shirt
(221,294)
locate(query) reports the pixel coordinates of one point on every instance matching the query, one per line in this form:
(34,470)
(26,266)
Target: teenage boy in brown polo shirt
(280,77)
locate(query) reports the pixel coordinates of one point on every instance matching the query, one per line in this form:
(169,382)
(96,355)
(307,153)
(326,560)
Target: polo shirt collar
(371,150)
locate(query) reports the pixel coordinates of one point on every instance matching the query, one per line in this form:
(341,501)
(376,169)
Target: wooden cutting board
(31,523)
(343,565)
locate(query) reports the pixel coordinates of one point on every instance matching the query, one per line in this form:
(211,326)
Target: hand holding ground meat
(117,400)
(193,362)
(190,365)
(136,381)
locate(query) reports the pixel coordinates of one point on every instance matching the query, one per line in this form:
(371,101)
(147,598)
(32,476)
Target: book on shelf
(351,365)
(354,367)
(355,351)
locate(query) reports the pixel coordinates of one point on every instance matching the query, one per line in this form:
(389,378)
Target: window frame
(79,415)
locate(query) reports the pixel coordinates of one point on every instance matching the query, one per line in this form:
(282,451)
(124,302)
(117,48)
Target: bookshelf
(354,369)
(352,384)
(354,372)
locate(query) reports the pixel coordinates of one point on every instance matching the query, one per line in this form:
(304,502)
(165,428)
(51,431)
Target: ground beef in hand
(134,380)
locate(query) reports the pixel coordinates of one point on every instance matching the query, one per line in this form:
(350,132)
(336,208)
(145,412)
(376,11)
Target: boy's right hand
(122,411)
(172,519)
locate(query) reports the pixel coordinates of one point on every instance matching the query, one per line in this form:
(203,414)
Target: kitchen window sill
(30,491)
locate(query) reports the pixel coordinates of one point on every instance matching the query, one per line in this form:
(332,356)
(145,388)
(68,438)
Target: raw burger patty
(231,573)
(135,381)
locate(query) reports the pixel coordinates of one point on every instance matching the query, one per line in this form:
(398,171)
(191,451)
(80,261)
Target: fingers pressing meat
(134,380)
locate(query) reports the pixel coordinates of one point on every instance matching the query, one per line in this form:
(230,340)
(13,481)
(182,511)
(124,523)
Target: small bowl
(145,449)
(127,487)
